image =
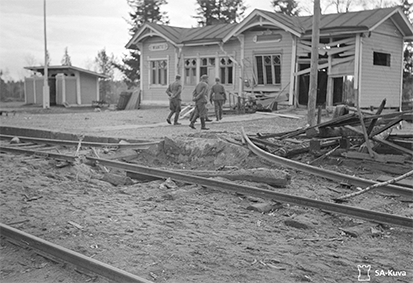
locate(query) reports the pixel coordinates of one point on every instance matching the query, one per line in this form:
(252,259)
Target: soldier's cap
(204,77)
(178,77)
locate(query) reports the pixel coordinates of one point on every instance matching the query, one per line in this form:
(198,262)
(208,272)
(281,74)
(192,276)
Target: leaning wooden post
(377,185)
(312,94)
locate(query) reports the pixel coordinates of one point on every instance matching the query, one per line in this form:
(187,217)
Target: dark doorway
(343,90)
(338,91)
(304,86)
(52,89)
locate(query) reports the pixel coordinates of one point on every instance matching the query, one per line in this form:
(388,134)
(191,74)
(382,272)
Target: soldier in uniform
(174,93)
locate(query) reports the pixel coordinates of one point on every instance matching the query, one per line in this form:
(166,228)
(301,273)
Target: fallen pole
(377,185)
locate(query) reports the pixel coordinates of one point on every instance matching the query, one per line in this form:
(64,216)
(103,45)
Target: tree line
(208,12)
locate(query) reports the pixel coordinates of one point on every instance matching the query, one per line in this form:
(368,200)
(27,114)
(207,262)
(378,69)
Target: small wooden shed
(68,85)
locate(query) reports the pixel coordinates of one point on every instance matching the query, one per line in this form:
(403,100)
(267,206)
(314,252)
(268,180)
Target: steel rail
(140,145)
(63,254)
(331,175)
(227,186)
(369,215)
(59,156)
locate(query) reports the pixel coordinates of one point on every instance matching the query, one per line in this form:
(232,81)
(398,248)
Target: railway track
(140,145)
(352,211)
(62,254)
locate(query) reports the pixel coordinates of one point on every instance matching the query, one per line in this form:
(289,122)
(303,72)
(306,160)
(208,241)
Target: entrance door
(304,86)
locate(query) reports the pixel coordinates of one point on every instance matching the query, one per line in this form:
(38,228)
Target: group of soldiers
(200,96)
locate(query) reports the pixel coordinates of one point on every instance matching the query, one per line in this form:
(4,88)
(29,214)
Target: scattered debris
(75,225)
(117,180)
(264,207)
(168,184)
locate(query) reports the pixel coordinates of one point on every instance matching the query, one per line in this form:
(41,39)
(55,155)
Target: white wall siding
(156,93)
(379,82)
(284,47)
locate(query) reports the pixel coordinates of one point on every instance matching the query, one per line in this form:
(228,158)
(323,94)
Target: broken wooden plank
(366,136)
(393,145)
(373,122)
(274,178)
(75,225)
(384,158)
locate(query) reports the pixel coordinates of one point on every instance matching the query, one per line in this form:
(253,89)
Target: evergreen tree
(287,7)
(143,11)
(146,11)
(66,61)
(104,65)
(212,12)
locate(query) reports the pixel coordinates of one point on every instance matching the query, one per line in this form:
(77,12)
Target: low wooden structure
(68,85)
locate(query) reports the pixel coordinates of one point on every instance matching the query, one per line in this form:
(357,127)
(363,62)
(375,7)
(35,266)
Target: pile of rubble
(351,133)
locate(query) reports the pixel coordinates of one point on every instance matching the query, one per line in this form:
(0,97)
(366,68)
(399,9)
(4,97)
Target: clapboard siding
(284,47)
(379,82)
(156,93)
(209,51)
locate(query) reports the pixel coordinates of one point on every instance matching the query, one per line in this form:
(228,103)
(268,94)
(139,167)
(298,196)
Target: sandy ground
(174,232)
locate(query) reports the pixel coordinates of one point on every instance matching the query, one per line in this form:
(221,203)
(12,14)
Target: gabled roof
(331,24)
(177,35)
(266,18)
(40,69)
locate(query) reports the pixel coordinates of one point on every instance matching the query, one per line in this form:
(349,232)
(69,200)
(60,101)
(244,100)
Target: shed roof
(40,69)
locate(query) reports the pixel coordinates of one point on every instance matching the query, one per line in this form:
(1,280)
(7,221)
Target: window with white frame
(159,72)
(205,64)
(226,70)
(268,69)
(190,71)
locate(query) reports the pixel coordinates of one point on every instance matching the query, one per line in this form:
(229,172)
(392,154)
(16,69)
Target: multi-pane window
(159,72)
(381,59)
(226,68)
(190,71)
(205,63)
(268,69)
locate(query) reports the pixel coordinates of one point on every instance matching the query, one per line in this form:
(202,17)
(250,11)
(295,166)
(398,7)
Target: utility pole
(312,94)
(46,90)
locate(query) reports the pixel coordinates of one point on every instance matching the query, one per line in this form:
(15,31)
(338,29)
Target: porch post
(78,94)
(293,65)
(357,68)
(97,89)
(329,98)
(241,39)
(198,68)
(34,90)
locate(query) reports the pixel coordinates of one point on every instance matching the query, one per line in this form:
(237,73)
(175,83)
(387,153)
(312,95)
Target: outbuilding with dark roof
(69,85)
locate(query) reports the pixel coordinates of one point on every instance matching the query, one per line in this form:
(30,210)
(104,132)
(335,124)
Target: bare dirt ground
(168,231)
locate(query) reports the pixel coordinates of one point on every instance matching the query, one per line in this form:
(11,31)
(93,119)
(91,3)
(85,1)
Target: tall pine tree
(212,12)
(104,64)
(287,7)
(143,11)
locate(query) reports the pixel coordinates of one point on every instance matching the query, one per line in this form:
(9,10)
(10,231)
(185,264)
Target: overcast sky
(83,26)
